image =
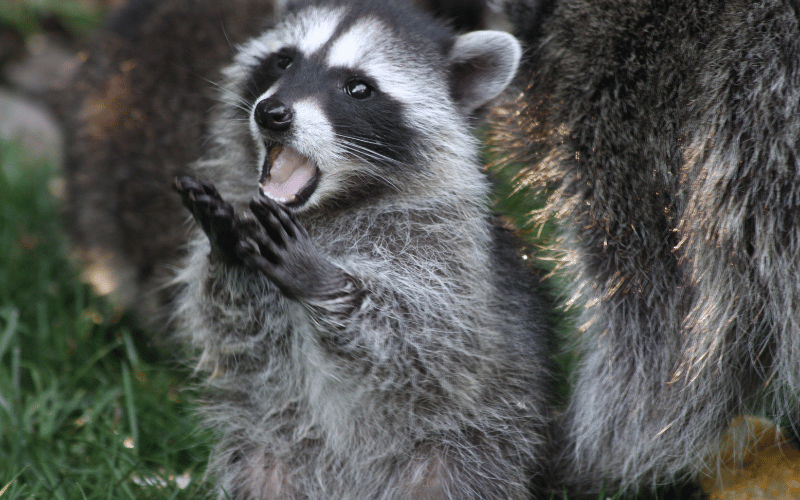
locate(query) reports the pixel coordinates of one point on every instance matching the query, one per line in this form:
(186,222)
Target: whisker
(225,34)
(368,154)
(355,140)
(237,100)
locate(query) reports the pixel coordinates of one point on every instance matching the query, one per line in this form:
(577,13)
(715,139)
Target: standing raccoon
(666,137)
(370,331)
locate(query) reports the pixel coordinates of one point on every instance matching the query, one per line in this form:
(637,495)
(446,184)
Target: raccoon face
(337,99)
(323,124)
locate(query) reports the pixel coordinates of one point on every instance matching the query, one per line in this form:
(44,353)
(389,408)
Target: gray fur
(410,360)
(666,136)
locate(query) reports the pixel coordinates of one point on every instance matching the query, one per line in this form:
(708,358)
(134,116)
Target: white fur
(311,31)
(488,47)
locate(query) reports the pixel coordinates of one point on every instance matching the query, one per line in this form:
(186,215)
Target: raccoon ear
(482,64)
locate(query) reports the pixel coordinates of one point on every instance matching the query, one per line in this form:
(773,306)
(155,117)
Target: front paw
(215,216)
(277,245)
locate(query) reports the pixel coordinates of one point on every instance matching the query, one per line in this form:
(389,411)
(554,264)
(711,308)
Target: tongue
(289,173)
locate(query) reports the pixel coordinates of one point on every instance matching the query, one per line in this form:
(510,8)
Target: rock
(31,124)
(47,68)
(756,462)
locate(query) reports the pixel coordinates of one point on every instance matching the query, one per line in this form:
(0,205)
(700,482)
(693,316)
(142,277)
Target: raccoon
(665,137)
(369,330)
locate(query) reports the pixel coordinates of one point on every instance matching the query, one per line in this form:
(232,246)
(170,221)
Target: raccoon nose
(273,115)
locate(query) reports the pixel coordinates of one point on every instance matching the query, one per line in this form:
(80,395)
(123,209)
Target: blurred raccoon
(369,330)
(133,118)
(665,137)
(136,115)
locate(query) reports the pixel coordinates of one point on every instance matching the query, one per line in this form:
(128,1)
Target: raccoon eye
(283,61)
(358,89)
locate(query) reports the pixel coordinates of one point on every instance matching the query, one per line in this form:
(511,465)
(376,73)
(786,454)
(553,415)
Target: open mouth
(287,176)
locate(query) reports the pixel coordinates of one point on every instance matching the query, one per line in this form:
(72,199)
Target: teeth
(286,174)
(275,198)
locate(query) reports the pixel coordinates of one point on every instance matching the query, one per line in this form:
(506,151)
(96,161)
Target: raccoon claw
(215,216)
(279,247)
(279,222)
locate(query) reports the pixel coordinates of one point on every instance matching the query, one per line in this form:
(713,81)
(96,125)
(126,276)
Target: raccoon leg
(279,247)
(215,216)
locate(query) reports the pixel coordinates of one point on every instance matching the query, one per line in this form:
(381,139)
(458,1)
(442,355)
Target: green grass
(88,408)
(79,18)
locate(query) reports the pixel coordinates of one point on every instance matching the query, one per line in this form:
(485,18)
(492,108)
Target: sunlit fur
(666,137)
(435,386)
